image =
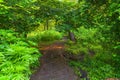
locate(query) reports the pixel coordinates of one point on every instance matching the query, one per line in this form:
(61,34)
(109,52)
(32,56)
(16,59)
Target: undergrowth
(46,36)
(17,56)
(90,54)
(96,69)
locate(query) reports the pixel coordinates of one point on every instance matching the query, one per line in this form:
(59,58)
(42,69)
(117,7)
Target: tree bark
(72,36)
(47,24)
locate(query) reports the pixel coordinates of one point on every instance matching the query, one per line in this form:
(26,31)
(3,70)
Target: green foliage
(85,34)
(95,24)
(87,40)
(99,61)
(116,59)
(97,37)
(16,56)
(17,15)
(96,69)
(49,35)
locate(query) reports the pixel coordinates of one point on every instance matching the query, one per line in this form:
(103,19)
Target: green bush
(116,59)
(34,36)
(17,56)
(49,35)
(96,69)
(98,60)
(87,41)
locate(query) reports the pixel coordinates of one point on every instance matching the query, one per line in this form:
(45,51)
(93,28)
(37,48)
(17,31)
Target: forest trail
(53,64)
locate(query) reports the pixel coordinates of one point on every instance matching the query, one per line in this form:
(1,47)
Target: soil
(53,64)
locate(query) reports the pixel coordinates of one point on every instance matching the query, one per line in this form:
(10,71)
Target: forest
(83,33)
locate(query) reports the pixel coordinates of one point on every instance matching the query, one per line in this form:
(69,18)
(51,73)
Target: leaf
(117,47)
(4,77)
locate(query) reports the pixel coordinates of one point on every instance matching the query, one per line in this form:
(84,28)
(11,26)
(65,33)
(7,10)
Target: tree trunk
(47,24)
(72,36)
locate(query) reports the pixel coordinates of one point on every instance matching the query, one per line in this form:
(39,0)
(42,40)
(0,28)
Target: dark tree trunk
(47,24)
(72,36)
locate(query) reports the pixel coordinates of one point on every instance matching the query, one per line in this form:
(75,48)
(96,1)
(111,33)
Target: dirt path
(53,65)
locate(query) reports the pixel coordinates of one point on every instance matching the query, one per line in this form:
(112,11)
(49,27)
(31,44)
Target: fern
(16,56)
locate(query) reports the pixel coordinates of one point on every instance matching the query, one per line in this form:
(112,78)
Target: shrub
(34,36)
(17,56)
(96,69)
(87,41)
(49,35)
(97,59)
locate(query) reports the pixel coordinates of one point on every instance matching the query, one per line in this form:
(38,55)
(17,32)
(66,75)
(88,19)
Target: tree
(48,10)
(17,15)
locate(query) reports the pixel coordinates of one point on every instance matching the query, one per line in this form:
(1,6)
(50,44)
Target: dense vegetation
(16,56)
(92,27)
